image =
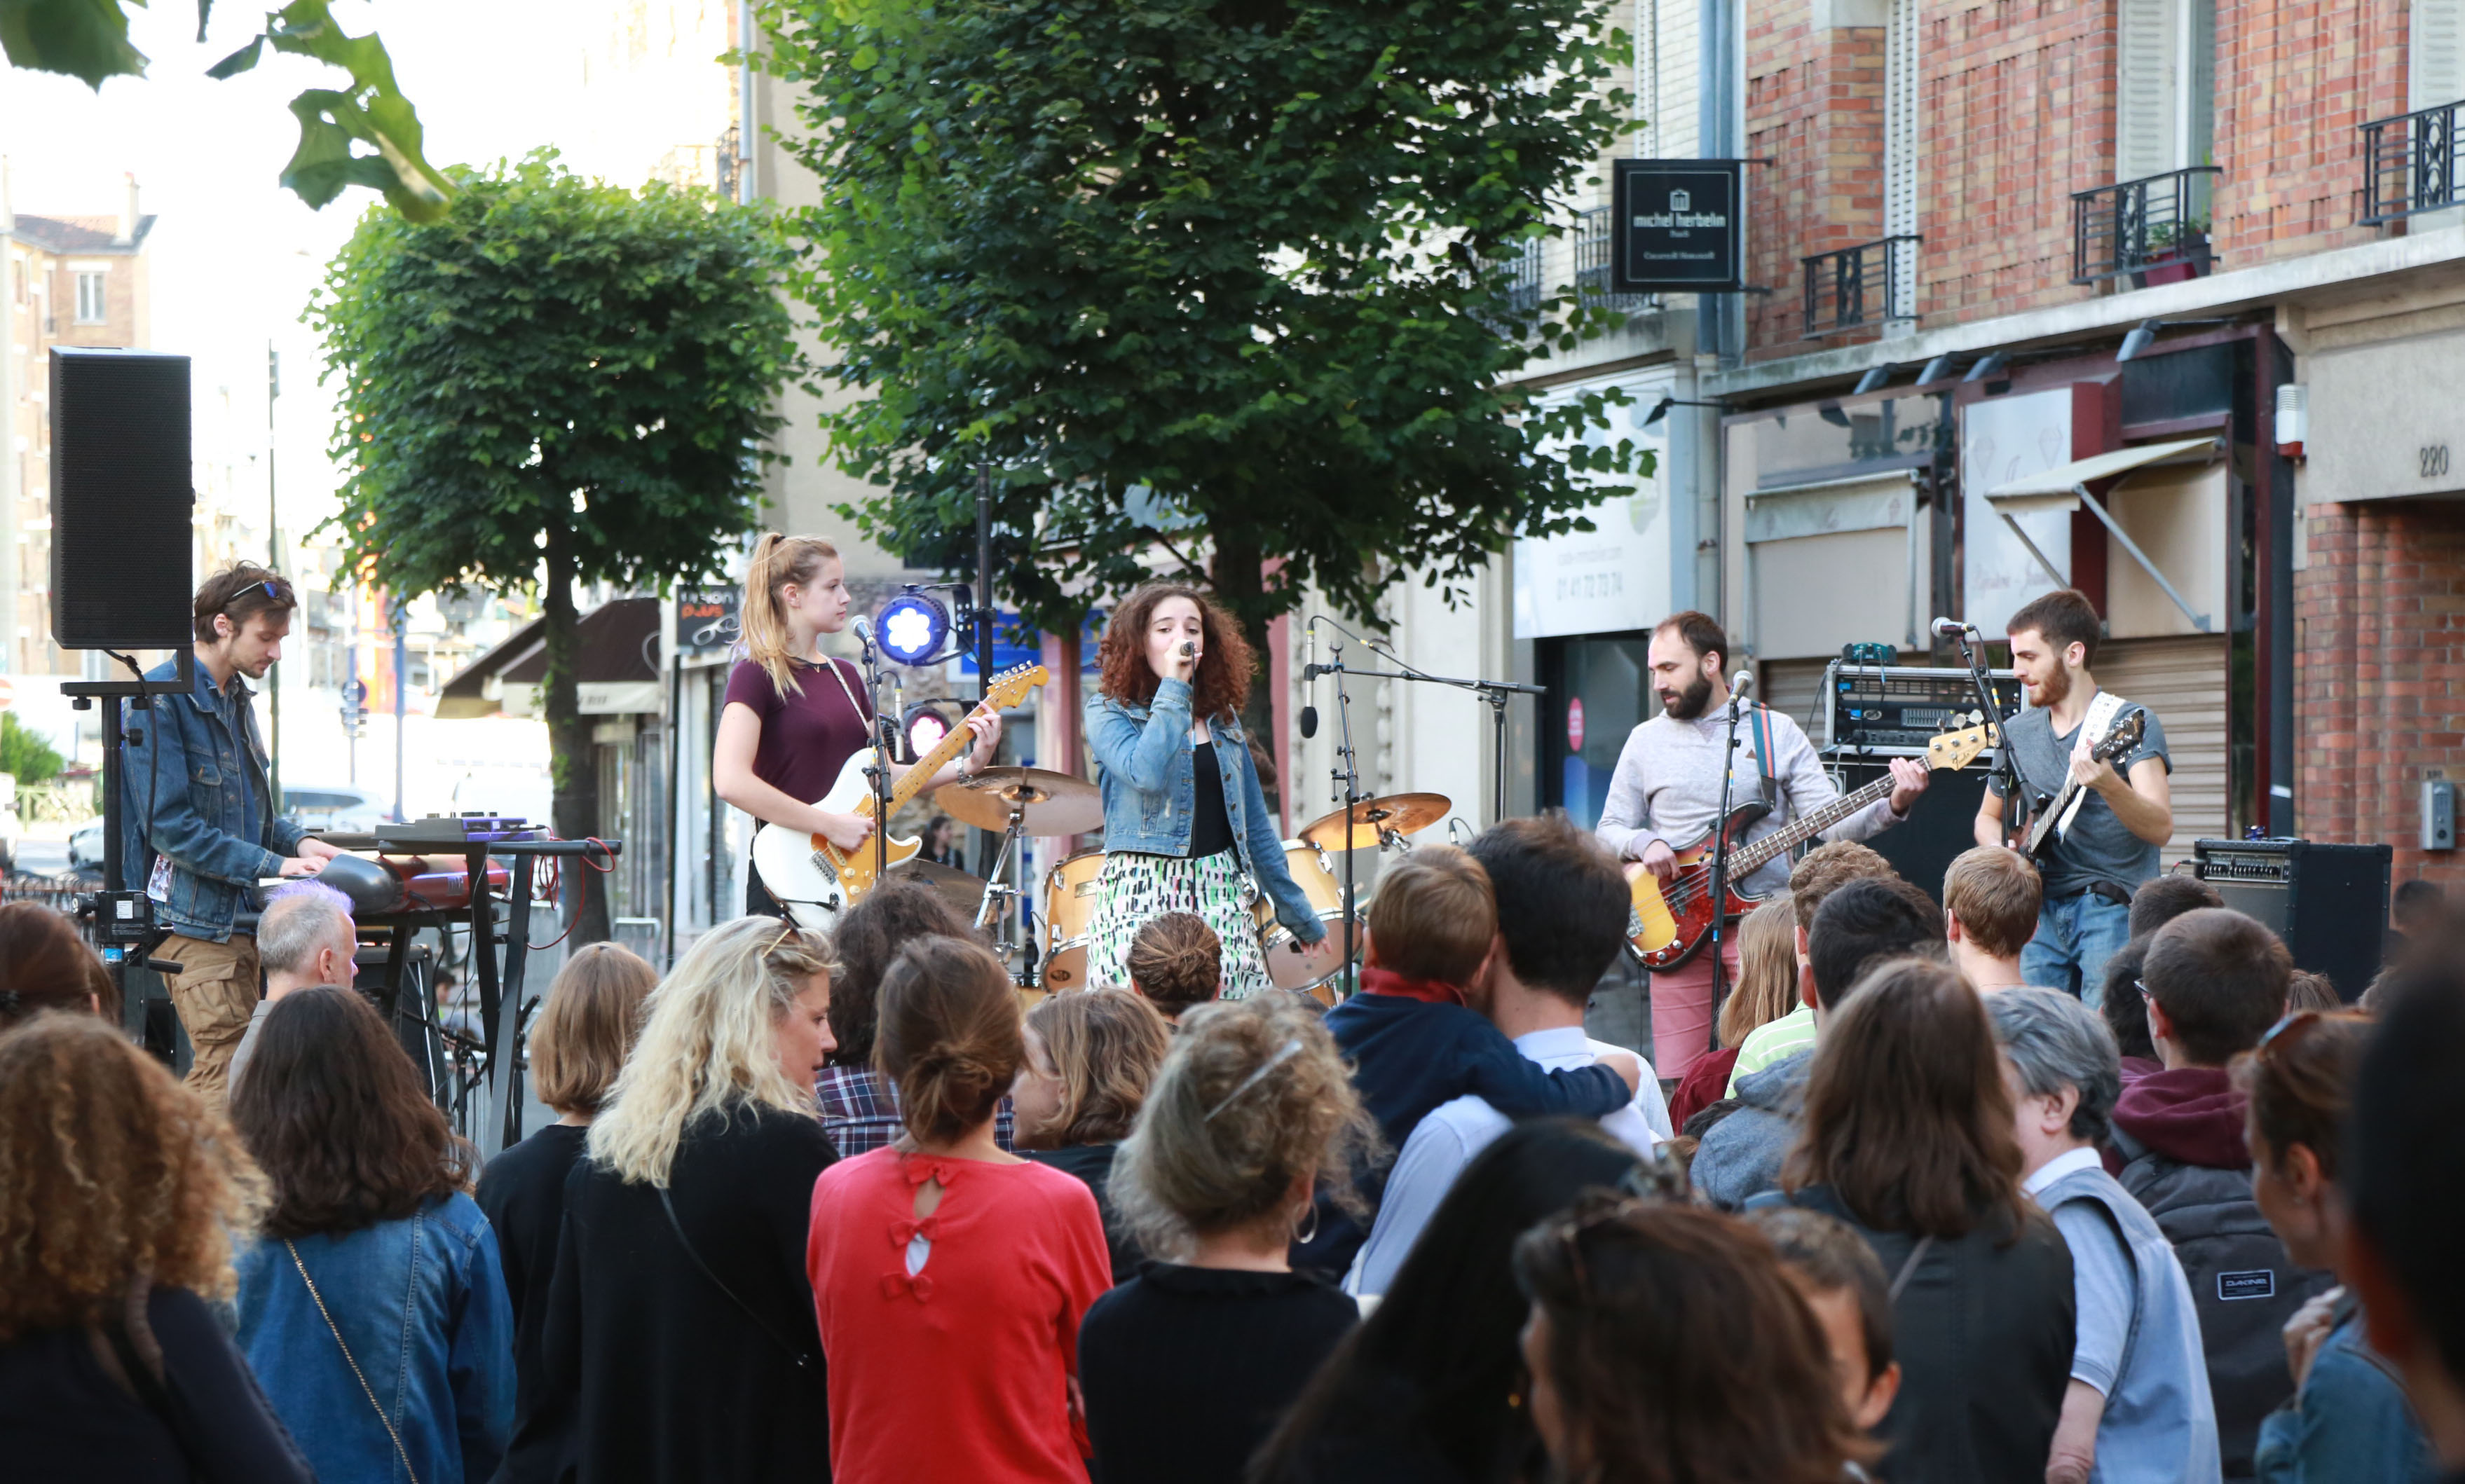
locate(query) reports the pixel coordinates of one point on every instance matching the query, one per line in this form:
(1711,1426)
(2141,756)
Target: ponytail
(778,561)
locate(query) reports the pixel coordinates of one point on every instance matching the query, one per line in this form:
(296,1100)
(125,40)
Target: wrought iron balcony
(1520,273)
(1594,231)
(2409,165)
(1858,286)
(2154,229)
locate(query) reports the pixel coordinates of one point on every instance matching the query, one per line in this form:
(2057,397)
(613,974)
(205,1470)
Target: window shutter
(2436,69)
(2148,88)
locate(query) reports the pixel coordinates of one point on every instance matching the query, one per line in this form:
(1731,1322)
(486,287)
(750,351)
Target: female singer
(1186,825)
(795,716)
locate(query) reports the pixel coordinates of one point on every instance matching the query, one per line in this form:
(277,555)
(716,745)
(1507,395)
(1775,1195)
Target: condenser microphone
(1309,672)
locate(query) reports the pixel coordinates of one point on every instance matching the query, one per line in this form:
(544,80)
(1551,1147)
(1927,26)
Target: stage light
(914,626)
(926,723)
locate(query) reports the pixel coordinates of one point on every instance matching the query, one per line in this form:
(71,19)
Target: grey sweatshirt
(1667,787)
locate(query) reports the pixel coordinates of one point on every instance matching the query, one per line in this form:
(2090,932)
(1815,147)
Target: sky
(234,258)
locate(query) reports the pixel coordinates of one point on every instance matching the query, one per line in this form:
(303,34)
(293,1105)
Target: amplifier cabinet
(1891,711)
(2329,902)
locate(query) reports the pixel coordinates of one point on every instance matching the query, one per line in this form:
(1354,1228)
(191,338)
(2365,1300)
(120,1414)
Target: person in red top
(949,1277)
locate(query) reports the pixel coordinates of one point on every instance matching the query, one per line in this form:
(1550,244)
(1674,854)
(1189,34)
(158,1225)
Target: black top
(66,1414)
(671,1380)
(1210,828)
(1093,1164)
(1984,1334)
(1188,1369)
(522,1191)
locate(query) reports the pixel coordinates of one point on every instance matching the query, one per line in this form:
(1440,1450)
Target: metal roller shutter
(2182,680)
(1792,687)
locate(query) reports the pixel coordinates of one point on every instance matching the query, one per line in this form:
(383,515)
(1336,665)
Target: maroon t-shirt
(806,739)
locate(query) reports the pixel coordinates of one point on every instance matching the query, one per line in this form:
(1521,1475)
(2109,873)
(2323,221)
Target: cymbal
(1372,819)
(1052,803)
(951,884)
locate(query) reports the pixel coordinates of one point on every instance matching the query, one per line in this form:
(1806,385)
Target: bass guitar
(814,879)
(2118,742)
(1673,920)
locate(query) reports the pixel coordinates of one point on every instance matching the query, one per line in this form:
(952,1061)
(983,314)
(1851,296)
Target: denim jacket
(2349,1423)
(1143,754)
(421,1302)
(203,771)
(2160,1422)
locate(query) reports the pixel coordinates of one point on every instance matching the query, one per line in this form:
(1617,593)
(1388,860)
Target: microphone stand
(1493,692)
(1350,776)
(877,771)
(2016,784)
(1720,855)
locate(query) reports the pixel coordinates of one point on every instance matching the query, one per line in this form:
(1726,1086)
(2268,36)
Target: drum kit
(1017,803)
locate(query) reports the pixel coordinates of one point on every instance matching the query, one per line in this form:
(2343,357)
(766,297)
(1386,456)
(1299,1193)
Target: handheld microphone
(862,627)
(1189,650)
(1309,672)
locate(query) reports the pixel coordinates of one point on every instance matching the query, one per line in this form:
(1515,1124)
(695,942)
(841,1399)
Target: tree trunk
(574,764)
(1239,576)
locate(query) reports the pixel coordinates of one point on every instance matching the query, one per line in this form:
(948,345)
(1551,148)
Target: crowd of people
(844,1208)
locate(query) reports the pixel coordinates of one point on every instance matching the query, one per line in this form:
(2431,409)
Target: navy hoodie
(1408,1057)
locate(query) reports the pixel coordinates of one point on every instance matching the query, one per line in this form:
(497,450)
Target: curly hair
(335,1115)
(869,937)
(1105,1045)
(1253,1094)
(110,1171)
(1680,1350)
(1226,663)
(46,964)
(1177,960)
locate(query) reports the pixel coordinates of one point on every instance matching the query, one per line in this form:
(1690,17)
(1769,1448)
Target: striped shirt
(1785,1037)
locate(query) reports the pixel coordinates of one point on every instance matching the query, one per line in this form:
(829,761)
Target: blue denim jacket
(421,1301)
(2350,1422)
(2161,1422)
(1142,756)
(204,772)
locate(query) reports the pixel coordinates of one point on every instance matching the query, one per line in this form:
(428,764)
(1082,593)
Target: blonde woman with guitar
(795,717)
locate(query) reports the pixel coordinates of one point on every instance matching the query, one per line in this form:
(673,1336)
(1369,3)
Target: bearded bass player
(2103,853)
(1666,795)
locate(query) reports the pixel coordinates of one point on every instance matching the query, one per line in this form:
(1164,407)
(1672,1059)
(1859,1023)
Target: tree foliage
(559,382)
(88,39)
(1218,270)
(24,754)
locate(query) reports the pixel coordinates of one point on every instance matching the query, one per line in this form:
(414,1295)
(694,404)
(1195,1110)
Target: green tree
(560,382)
(25,755)
(88,39)
(1218,270)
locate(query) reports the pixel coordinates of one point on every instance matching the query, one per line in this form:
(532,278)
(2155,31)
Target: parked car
(85,847)
(344,809)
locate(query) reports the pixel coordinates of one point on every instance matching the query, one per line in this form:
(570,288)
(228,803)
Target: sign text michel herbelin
(1680,226)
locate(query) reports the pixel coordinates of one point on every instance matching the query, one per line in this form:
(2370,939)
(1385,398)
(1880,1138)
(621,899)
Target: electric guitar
(1672,923)
(2119,739)
(816,880)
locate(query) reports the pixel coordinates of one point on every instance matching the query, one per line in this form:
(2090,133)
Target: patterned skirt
(1135,889)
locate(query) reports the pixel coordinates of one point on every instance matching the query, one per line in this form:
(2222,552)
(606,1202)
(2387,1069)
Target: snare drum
(1070,894)
(1290,963)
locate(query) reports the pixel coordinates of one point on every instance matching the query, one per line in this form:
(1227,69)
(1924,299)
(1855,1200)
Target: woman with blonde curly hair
(679,1320)
(1186,822)
(118,1191)
(1090,1058)
(1189,1365)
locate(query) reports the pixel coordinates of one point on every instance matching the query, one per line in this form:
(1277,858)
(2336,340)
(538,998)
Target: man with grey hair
(2139,1404)
(304,937)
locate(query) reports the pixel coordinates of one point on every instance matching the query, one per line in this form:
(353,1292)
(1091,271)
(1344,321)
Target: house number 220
(2435,459)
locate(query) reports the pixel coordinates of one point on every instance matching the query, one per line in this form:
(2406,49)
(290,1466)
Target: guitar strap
(2102,708)
(1759,730)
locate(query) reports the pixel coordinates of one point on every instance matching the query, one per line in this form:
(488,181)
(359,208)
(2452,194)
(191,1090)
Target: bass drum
(1069,911)
(1290,964)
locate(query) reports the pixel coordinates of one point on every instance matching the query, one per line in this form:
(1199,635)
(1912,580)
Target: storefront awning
(2065,487)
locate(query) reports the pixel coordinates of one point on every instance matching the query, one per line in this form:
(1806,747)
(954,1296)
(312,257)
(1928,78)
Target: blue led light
(913,626)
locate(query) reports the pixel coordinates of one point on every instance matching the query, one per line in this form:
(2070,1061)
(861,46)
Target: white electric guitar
(816,880)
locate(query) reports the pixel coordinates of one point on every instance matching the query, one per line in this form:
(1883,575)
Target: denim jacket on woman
(421,1302)
(1142,756)
(2350,1422)
(203,773)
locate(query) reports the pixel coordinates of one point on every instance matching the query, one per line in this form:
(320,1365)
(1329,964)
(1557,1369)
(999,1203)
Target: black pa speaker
(2329,902)
(122,502)
(1942,825)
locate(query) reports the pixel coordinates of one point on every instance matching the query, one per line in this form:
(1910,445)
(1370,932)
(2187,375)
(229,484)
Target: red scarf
(1429,991)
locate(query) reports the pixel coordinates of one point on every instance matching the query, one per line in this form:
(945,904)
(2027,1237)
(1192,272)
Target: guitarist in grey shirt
(2097,861)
